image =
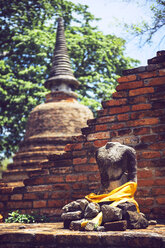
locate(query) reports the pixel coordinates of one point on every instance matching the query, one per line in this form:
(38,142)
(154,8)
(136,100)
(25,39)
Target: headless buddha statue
(117,165)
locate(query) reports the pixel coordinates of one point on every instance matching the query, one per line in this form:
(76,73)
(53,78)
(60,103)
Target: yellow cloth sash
(124,193)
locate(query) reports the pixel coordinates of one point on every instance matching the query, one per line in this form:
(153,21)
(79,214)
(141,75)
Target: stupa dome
(59,119)
(52,125)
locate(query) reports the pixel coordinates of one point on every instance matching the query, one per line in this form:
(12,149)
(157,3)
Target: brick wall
(136,117)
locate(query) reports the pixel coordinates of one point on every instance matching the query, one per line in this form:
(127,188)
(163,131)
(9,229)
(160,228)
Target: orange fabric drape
(119,195)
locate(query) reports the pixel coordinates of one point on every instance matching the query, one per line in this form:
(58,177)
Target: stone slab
(51,235)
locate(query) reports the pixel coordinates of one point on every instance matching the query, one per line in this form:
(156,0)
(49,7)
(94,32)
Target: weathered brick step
(17,184)
(19,174)
(38,148)
(48,235)
(8,188)
(31,156)
(25,165)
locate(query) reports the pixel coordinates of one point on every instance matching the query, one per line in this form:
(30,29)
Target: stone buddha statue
(117,165)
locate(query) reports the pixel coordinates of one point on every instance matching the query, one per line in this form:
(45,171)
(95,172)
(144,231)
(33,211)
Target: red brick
(19,205)
(92,160)
(38,172)
(141,130)
(148,74)
(91,122)
(118,110)
(157,146)
(70,147)
(161,137)
(62,162)
(101,127)
(145,173)
(61,170)
(82,186)
(112,102)
(99,143)
(150,154)
(94,185)
(149,138)
(138,99)
(142,114)
(34,181)
(1,205)
(79,153)
(124,132)
(117,126)
(79,160)
(162,72)
(102,112)
(76,178)
(141,106)
(17,197)
(127,86)
(120,94)
(127,140)
(160,182)
(143,122)
(54,179)
(30,196)
(160,200)
(158,191)
(159,211)
(145,182)
(159,128)
(6,190)
(144,163)
(39,204)
(106,119)
(81,138)
(88,145)
(86,168)
(94,177)
(78,195)
(155,81)
(99,135)
(142,192)
(126,78)
(39,188)
(62,186)
(123,117)
(56,203)
(160,173)
(4,197)
(145,201)
(141,91)
(60,195)
(145,210)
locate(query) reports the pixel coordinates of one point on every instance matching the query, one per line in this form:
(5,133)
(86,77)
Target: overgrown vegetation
(26,49)
(17,217)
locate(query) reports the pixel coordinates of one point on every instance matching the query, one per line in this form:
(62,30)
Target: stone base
(51,235)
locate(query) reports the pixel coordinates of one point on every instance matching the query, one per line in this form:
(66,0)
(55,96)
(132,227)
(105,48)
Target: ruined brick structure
(135,117)
(50,125)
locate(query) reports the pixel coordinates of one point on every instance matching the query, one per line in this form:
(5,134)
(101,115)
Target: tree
(26,49)
(146,31)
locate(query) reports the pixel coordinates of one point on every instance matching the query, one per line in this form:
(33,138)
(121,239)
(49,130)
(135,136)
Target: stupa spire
(61,76)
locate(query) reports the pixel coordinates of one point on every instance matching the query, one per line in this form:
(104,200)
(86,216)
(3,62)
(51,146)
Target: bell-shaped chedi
(51,125)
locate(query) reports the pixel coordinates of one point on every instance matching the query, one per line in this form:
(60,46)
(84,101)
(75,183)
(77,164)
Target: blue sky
(115,12)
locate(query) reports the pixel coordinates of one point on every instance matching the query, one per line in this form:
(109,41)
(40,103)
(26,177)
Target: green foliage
(3,165)
(144,30)
(17,217)
(26,49)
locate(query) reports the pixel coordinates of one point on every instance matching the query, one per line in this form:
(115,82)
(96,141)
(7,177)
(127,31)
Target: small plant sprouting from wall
(17,217)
